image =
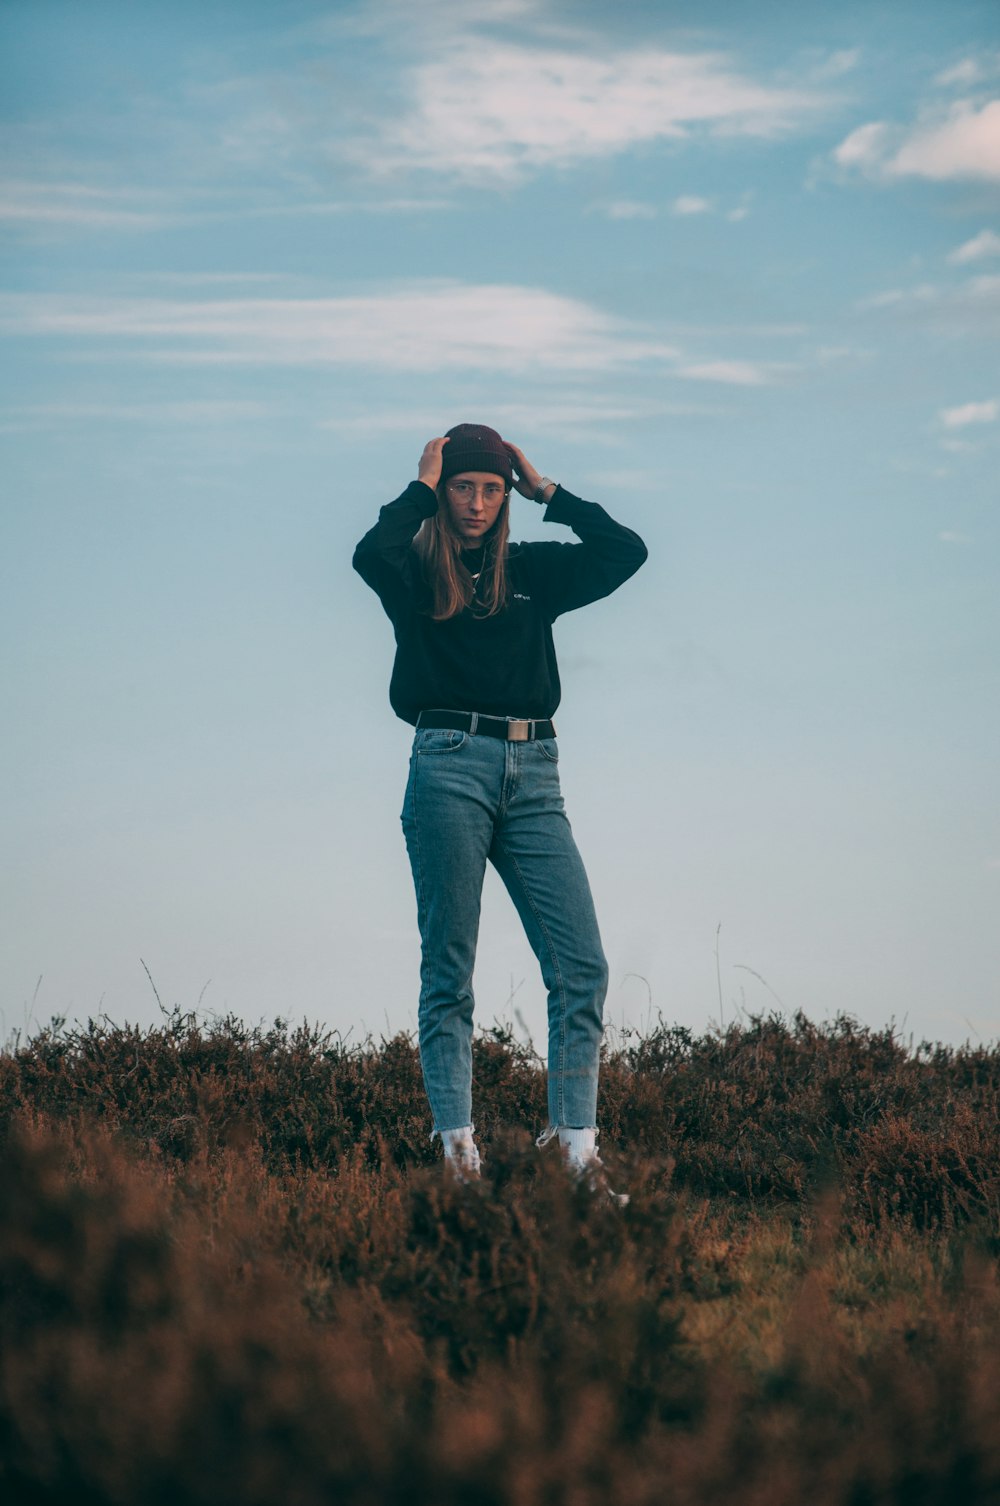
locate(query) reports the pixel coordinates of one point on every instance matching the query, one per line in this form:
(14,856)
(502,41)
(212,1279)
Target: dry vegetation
(233,1271)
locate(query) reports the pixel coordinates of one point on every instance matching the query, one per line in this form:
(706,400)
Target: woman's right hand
(429,470)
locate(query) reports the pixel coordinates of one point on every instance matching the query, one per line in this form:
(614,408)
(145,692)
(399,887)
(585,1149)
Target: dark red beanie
(474,447)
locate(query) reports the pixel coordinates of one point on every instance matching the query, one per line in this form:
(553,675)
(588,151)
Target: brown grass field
(232,1270)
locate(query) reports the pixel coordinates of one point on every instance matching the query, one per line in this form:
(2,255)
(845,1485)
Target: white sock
(580,1144)
(460,1146)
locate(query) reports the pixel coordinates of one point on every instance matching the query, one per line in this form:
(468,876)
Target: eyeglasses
(492,491)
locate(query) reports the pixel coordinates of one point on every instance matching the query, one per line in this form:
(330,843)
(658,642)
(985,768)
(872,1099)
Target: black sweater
(504,665)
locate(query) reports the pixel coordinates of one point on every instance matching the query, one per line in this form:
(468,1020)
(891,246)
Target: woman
(475,673)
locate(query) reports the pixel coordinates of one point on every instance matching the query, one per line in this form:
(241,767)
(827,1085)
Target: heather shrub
(508,1343)
(142,1361)
(767,1112)
(233,1270)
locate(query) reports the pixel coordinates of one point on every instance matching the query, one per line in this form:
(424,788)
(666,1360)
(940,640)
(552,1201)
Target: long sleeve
(568,576)
(384,557)
(503,663)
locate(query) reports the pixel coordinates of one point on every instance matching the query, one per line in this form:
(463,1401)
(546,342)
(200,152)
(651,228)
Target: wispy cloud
(969,71)
(414,327)
(504,110)
(839,63)
(986,243)
(199,411)
(733,373)
(320,207)
(924,292)
(830,355)
(949,536)
(45,207)
(79,205)
(430,326)
(864,147)
(627,209)
(684,206)
(583,418)
(968,308)
(970,413)
(964,143)
(690,204)
(208,279)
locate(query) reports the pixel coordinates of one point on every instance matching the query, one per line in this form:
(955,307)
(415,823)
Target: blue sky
(731,271)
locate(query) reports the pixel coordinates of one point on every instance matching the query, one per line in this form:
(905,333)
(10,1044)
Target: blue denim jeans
(472,800)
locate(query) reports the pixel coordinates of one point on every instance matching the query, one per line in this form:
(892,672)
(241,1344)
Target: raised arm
(571,575)
(382,556)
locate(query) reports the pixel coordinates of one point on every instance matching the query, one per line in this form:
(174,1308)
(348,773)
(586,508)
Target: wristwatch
(546,481)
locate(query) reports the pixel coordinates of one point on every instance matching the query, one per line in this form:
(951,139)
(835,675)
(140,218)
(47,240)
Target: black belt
(511,729)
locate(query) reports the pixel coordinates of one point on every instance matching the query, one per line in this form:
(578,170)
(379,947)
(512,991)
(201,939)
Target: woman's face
(474,500)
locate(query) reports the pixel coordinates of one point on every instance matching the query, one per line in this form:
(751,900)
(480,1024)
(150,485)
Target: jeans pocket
(438,740)
(548,747)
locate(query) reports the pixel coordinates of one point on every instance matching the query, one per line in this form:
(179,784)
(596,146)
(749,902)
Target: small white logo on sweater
(520,596)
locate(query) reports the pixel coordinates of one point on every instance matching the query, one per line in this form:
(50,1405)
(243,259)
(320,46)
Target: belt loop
(474,723)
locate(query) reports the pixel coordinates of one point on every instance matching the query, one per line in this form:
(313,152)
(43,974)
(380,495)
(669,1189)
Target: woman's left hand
(526,479)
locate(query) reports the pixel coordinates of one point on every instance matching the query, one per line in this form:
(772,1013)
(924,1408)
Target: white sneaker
(579,1149)
(461,1154)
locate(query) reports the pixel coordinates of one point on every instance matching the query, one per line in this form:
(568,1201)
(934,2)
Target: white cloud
(199,411)
(967,145)
(839,63)
(963,144)
(41,205)
(986,243)
(499,111)
(925,293)
(968,71)
(583,417)
(950,537)
(425,326)
(319,207)
(80,205)
(969,308)
(415,327)
(690,204)
(738,214)
(207,279)
(863,148)
(628,209)
(970,413)
(733,373)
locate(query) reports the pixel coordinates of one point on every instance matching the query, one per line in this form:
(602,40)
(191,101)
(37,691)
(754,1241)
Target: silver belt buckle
(517,730)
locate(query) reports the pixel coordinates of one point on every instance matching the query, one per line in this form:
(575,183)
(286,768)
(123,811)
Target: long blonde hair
(452,587)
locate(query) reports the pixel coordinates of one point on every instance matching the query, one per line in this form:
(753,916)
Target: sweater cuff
(561,506)
(425,497)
